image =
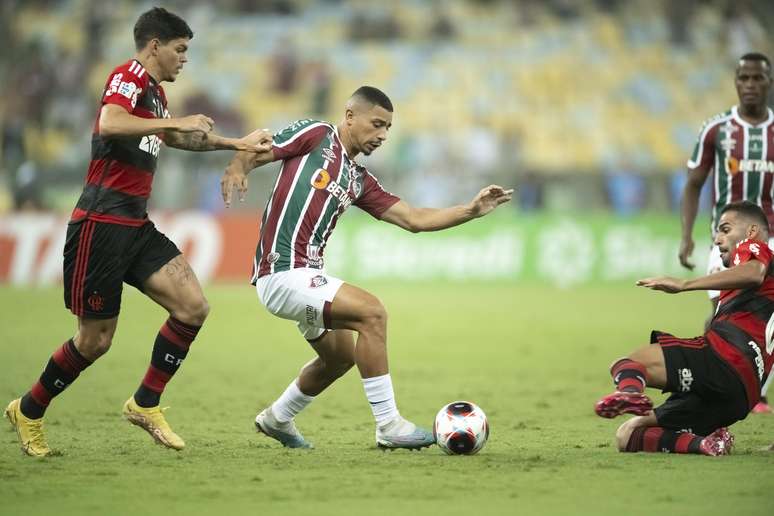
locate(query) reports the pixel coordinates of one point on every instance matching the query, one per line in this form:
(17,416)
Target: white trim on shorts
(303,295)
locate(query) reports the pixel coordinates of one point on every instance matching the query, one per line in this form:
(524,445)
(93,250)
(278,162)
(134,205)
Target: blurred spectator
(284,66)
(320,80)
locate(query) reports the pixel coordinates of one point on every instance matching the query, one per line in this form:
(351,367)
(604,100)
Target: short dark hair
(756,56)
(749,210)
(161,24)
(374,96)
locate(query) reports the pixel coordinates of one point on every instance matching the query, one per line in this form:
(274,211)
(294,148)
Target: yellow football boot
(152,421)
(30,431)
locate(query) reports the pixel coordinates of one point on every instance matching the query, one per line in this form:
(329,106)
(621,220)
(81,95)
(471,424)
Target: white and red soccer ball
(461,428)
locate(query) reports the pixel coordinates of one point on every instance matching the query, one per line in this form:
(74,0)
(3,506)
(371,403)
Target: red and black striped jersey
(742,330)
(118,182)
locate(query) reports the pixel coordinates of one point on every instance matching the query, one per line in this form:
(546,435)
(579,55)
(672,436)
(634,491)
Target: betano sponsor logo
(734,166)
(321,180)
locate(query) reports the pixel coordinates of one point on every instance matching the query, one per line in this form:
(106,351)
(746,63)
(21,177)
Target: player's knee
(95,344)
(622,436)
(375,316)
(194,312)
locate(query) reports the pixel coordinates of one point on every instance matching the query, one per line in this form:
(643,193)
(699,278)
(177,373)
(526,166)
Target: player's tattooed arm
(258,141)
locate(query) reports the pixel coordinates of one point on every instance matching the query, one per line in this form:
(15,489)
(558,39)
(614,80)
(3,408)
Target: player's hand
(490,198)
(664,284)
(259,140)
(686,250)
(195,123)
(233,178)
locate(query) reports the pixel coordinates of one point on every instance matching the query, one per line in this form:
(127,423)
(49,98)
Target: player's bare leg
(644,366)
(642,433)
(176,288)
(355,309)
(336,356)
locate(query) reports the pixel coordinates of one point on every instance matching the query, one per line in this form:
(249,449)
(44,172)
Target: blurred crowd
(579,104)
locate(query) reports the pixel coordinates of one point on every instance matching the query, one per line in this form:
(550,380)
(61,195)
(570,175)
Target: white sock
(290,403)
(382,398)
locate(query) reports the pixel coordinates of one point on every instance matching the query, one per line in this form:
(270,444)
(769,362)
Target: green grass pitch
(534,358)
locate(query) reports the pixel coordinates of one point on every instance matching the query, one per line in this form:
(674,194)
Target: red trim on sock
(178,333)
(39,393)
(156,379)
(626,364)
(651,438)
(71,362)
(631,384)
(682,443)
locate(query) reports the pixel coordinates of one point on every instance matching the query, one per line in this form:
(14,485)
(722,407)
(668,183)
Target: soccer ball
(461,428)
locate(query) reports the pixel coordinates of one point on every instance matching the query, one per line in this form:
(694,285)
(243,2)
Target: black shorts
(707,394)
(100,257)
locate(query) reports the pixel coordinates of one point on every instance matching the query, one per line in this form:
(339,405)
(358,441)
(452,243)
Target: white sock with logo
(290,403)
(382,398)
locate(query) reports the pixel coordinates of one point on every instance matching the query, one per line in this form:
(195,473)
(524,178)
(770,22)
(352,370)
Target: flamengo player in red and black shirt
(318,182)
(715,378)
(110,240)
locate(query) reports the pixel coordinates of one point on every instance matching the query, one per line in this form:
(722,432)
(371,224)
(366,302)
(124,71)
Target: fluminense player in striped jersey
(738,146)
(318,181)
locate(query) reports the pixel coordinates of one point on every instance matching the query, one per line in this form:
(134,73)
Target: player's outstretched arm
(747,275)
(255,142)
(434,219)
(115,121)
(688,209)
(235,176)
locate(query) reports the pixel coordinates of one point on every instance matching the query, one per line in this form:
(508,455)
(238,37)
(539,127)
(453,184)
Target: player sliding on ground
(318,181)
(715,378)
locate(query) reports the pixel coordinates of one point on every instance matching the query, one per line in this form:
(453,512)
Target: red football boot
(623,402)
(719,442)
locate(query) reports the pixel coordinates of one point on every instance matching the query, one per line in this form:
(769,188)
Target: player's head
(753,79)
(368,117)
(164,36)
(739,221)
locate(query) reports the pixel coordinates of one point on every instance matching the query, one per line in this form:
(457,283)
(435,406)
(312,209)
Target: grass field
(535,359)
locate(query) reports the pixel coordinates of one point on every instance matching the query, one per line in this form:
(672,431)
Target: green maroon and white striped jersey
(316,184)
(741,156)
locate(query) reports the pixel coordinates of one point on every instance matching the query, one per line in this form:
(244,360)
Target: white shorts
(715,264)
(303,295)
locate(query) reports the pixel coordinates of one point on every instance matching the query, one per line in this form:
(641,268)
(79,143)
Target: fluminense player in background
(738,146)
(715,379)
(110,240)
(318,181)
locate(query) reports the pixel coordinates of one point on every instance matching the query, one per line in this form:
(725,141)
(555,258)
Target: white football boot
(286,433)
(401,433)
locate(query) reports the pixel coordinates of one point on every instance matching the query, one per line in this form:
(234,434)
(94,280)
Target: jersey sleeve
(125,85)
(374,200)
(704,151)
(753,250)
(299,138)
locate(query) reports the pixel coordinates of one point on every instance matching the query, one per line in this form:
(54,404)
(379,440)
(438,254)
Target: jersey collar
(743,123)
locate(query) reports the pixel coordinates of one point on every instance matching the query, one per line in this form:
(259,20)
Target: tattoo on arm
(195,141)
